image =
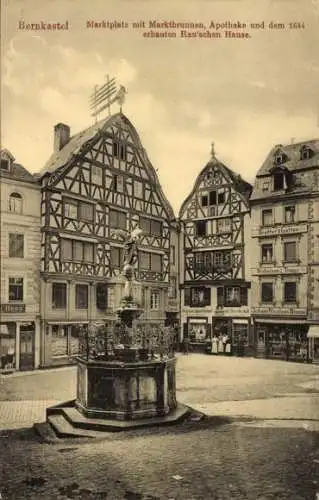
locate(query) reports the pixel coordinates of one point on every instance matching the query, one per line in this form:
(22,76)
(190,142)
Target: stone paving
(270,450)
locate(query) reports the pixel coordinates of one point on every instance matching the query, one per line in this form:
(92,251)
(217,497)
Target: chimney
(61,136)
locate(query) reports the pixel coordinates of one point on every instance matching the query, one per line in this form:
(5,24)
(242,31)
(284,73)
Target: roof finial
(212,151)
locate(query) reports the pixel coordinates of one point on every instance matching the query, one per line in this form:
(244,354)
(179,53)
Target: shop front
(7,346)
(64,342)
(285,341)
(197,332)
(17,346)
(313,340)
(231,336)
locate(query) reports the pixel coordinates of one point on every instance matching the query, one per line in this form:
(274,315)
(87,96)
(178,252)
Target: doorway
(27,347)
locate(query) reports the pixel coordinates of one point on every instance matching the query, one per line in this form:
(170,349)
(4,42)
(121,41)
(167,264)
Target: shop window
(197,332)
(151,226)
(155,299)
(117,219)
(58,295)
(290,251)
(290,292)
(267,218)
(16,245)
(81,296)
(201,228)
(266,253)
(117,257)
(290,214)
(7,346)
(101,296)
(15,203)
(240,334)
(59,343)
(15,289)
(267,292)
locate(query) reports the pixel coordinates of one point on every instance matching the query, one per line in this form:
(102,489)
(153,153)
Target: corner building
(285,253)
(95,183)
(19,267)
(215,279)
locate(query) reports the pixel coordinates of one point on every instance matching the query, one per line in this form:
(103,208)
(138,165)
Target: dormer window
(279,159)
(305,153)
(6,160)
(279,181)
(5,165)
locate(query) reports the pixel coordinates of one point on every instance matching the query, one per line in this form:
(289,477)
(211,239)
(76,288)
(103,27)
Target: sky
(244,95)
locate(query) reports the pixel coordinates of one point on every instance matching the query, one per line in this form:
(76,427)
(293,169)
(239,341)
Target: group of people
(221,344)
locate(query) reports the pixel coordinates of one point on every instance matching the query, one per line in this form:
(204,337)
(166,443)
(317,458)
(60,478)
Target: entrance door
(261,343)
(26,349)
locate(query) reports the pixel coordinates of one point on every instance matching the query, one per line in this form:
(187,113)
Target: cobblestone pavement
(273,457)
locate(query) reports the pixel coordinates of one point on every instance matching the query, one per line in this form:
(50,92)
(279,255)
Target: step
(46,432)
(63,428)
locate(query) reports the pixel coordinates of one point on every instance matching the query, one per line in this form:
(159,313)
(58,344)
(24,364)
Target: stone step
(46,432)
(63,428)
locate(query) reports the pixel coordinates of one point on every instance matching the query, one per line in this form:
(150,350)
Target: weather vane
(106,95)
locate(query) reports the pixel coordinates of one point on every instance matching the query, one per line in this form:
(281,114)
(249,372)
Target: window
(267,219)
(5,164)
(151,226)
(123,152)
(267,292)
(115,149)
(96,174)
(16,245)
(101,296)
(279,181)
(15,203)
(71,209)
(290,293)
(232,296)
(305,153)
(290,251)
(138,189)
(172,254)
(223,225)
(150,261)
(200,297)
(117,219)
(81,296)
(221,197)
(80,251)
(85,211)
(155,299)
(266,253)
(265,186)
(15,289)
(117,254)
(118,183)
(58,295)
(204,200)
(290,214)
(200,228)
(222,260)
(212,197)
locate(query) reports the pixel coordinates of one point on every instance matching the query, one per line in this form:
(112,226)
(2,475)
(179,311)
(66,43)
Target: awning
(313,332)
(278,321)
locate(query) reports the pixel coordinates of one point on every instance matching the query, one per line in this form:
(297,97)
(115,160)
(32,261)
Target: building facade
(20,267)
(214,272)
(285,253)
(97,186)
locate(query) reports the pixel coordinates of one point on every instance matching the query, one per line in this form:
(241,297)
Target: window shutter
(243,296)
(207,296)
(220,296)
(187,296)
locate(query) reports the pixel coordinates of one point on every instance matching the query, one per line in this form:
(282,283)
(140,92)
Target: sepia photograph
(159,250)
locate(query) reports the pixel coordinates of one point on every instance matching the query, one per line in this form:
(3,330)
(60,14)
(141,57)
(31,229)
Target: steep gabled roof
(293,161)
(17,171)
(239,183)
(79,142)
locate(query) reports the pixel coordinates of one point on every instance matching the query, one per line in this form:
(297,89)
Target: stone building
(214,267)
(285,253)
(20,267)
(97,186)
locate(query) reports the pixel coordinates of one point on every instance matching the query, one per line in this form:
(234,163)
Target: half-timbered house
(215,280)
(96,183)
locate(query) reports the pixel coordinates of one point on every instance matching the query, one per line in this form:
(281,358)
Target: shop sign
(12,308)
(232,311)
(280,270)
(292,311)
(280,230)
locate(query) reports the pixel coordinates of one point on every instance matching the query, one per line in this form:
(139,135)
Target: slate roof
(293,162)
(19,173)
